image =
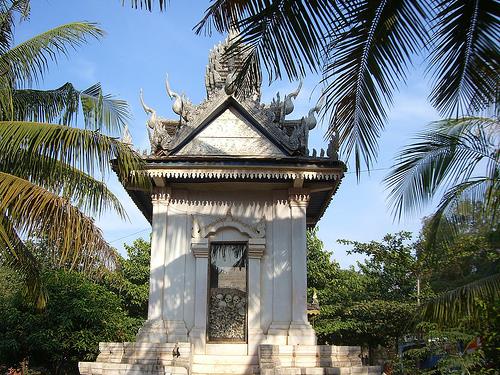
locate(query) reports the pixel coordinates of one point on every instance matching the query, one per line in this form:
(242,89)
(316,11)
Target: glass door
(227,294)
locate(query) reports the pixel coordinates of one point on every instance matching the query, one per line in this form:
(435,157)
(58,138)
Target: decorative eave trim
(239,173)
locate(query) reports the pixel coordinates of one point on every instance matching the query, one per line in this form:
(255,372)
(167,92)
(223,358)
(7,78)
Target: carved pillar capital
(161,195)
(256,248)
(298,197)
(199,247)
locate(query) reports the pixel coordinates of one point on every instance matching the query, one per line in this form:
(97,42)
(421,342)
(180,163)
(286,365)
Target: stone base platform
(131,358)
(157,359)
(312,360)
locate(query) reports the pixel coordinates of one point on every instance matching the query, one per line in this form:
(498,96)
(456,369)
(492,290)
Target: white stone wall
(179,278)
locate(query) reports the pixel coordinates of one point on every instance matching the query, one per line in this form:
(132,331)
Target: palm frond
(365,63)
(91,196)
(29,60)
(62,104)
(464,59)
(79,148)
(34,211)
(455,305)
(442,157)
(288,36)
(458,205)
(148,4)
(16,255)
(54,106)
(103,110)
(8,9)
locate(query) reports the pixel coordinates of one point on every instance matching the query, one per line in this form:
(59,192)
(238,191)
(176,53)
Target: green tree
(46,161)
(130,280)
(78,315)
(391,267)
(369,307)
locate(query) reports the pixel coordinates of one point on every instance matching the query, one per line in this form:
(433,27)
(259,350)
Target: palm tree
(461,159)
(46,160)
(364,49)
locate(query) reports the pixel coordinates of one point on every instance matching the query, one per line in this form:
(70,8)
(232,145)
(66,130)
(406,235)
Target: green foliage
(78,315)
(130,280)
(367,323)
(372,306)
(390,268)
(378,304)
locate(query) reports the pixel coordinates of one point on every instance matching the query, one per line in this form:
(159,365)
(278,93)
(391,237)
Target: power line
(129,235)
(370,170)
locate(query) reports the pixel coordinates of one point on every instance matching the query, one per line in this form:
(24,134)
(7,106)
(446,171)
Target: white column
(282,270)
(153,329)
(300,331)
(198,334)
(256,248)
(176,250)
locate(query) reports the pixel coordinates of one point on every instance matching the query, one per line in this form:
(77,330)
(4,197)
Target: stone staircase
(312,360)
(225,359)
(157,359)
(131,358)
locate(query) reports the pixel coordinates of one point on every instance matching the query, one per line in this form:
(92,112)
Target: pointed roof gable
(229,128)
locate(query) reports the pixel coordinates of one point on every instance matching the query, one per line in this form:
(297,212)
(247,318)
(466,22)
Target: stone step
(224,349)
(225,359)
(242,369)
(355,370)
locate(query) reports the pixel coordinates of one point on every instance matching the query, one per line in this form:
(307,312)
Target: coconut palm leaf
(464,57)
(15,254)
(453,306)
(103,110)
(147,4)
(91,196)
(34,211)
(87,150)
(62,104)
(441,158)
(287,35)
(365,63)
(8,8)
(54,106)
(459,204)
(26,62)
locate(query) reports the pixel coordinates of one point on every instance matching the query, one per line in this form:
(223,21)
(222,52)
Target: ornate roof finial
(181,104)
(310,120)
(288,103)
(153,117)
(223,68)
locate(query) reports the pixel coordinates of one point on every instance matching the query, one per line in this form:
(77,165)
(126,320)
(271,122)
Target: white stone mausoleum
(234,189)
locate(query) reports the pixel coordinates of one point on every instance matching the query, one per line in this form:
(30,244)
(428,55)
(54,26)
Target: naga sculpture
(310,120)
(288,103)
(181,104)
(158,135)
(300,135)
(333,146)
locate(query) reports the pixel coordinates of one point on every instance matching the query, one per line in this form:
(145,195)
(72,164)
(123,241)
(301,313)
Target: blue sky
(141,47)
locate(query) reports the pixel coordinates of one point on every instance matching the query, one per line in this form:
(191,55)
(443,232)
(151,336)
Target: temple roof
(232,137)
(270,121)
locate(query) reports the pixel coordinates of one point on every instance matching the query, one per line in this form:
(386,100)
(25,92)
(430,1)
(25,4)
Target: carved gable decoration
(230,134)
(229,221)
